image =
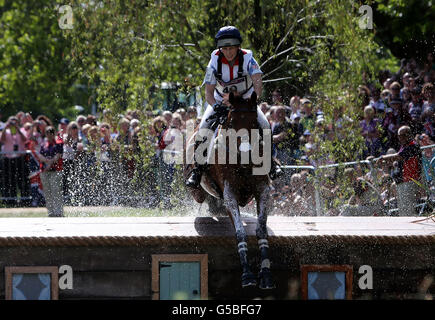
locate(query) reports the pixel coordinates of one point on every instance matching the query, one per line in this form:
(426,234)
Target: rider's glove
(219,108)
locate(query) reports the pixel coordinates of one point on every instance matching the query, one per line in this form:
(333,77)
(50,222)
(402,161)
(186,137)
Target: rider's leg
(195,177)
(275,170)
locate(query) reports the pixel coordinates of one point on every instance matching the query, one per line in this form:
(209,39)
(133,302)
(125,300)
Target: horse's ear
(254,98)
(231,98)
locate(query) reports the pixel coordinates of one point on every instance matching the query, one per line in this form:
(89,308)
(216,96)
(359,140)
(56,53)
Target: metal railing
(316,171)
(108,182)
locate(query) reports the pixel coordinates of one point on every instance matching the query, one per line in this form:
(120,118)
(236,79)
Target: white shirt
(250,67)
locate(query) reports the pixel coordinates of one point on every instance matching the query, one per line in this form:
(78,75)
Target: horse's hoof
(266,281)
(248,280)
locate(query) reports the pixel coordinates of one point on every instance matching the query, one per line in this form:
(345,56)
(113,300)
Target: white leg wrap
(265,264)
(243,246)
(263,243)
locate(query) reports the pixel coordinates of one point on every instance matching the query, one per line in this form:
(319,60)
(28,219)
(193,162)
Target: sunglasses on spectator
(74,127)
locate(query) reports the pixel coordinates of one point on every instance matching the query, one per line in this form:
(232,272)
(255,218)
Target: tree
(36,78)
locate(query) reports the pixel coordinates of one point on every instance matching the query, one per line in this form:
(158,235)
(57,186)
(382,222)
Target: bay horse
(237,185)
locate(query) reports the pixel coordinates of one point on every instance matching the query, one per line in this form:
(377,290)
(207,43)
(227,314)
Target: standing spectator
(167,115)
(295,105)
(264,107)
(51,175)
(415,110)
(370,132)
(307,120)
(124,163)
(91,120)
(277,100)
(107,173)
(390,125)
(14,163)
(376,102)
(281,137)
(80,121)
(405,81)
(395,90)
(407,171)
(427,156)
(406,96)
(70,144)
(297,133)
(429,95)
(2,124)
(63,124)
(192,113)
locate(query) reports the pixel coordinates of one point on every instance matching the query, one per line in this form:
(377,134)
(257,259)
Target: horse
(236,184)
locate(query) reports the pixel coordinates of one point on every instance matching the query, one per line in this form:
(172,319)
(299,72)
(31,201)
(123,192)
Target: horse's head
(243,113)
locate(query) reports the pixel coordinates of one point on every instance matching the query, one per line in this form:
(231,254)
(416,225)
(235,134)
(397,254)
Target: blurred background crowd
(104,161)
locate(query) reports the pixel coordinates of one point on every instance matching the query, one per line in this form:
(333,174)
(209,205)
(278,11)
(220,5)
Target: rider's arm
(209,93)
(258,83)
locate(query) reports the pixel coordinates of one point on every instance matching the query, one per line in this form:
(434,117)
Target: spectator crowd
(102,161)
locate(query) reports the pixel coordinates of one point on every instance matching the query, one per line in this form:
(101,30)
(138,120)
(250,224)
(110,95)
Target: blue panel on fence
(326,285)
(31,286)
(180,280)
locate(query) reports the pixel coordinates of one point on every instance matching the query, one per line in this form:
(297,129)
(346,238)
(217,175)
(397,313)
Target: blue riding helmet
(228,36)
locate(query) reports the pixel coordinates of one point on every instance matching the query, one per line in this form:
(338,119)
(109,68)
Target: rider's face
(230,52)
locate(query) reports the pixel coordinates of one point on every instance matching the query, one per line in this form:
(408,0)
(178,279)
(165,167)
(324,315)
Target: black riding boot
(195,177)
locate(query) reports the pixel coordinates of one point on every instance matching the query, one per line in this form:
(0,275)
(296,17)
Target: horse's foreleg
(264,204)
(248,278)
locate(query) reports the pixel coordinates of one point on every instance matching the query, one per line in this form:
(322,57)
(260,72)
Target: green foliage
(35,76)
(407,27)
